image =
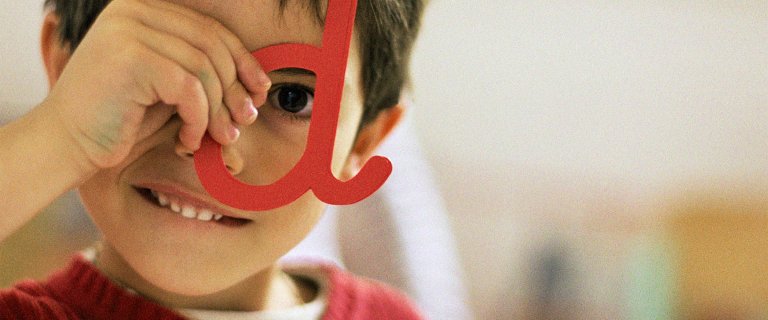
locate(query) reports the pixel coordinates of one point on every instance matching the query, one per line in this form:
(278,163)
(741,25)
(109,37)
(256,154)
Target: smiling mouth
(189,211)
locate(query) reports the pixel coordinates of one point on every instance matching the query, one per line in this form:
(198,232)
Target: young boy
(129,105)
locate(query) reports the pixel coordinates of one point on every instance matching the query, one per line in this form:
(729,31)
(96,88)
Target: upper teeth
(186,210)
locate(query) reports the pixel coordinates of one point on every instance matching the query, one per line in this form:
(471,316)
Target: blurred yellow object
(720,243)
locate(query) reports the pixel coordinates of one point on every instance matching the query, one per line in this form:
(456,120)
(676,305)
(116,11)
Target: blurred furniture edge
(708,259)
(720,241)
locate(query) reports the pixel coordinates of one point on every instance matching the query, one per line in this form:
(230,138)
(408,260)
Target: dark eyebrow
(294,72)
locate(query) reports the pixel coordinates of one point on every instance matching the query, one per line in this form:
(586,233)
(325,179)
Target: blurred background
(598,160)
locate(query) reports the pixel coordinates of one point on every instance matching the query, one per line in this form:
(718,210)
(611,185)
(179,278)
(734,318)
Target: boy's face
(194,257)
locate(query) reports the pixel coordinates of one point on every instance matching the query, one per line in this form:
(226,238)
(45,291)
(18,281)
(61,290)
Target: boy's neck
(268,289)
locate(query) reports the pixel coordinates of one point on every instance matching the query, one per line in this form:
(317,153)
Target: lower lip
(176,218)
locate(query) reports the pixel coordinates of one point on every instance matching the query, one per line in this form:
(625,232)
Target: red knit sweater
(80,291)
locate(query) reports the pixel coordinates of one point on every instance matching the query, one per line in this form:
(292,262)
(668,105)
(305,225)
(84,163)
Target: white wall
(534,110)
(641,88)
(22,77)
(565,119)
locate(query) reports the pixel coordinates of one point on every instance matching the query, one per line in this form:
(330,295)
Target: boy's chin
(186,283)
(189,286)
(172,277)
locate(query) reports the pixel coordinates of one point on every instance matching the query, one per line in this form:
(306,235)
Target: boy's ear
(370,137)
(55,56)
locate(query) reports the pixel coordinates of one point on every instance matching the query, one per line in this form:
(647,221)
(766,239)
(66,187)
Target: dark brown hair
(386,30)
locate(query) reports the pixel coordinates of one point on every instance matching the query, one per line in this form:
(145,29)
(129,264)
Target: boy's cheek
(350,114)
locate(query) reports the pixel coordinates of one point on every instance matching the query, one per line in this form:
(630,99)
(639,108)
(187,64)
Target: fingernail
(234,133)
(250,110)
(264,81)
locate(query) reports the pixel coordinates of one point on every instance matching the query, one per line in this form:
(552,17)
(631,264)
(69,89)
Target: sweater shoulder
(31,300)
(354,297)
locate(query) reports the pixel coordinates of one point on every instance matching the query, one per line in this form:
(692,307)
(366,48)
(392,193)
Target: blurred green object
(651,273)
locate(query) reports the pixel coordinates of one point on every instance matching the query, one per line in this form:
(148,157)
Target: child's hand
(140,58)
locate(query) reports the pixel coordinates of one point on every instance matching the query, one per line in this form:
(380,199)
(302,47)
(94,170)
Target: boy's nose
(232,157)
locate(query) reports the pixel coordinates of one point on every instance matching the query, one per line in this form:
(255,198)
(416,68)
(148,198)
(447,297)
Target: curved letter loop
(313,171)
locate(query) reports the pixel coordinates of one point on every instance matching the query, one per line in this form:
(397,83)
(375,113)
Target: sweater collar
(94,296)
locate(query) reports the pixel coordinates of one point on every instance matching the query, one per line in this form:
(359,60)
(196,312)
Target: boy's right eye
(295,99)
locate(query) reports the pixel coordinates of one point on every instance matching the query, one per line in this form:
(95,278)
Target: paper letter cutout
(313,171)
